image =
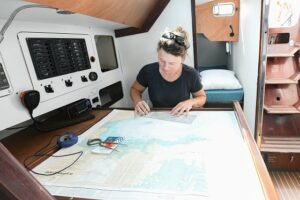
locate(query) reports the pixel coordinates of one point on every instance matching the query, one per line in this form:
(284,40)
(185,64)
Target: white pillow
(215,79)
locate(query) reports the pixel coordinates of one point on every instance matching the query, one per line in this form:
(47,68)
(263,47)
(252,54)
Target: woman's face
(169,63)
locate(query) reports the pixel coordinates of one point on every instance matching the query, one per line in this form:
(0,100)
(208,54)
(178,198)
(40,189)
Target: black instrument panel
(53,57)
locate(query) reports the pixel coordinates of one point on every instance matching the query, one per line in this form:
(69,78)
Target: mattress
(221,95)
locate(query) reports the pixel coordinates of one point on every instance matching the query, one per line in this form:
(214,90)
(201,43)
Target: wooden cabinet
(280,138)
(139,15)
(217,27)
(133,12)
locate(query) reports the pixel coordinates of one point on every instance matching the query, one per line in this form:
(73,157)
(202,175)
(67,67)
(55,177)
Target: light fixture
(16,11)
(223,9)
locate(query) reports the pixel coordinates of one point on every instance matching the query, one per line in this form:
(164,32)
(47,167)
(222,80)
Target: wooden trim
(261,73)
(16,182)
(265,179)
(281,50)
(193,11)
(281,144)
(154,14)
(226,107)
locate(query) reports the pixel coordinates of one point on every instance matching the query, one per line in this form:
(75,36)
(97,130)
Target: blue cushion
(224,96)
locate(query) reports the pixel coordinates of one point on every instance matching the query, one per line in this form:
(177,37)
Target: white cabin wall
(245,55)
(20,80)
(139,50)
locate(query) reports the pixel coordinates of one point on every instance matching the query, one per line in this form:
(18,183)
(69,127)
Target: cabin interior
(110,41)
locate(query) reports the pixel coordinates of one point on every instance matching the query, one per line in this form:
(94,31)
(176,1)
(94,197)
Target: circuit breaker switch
(84,79)
(68,83)
(49,89)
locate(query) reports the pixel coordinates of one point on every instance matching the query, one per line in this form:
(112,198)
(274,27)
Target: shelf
(281,99)
(281,109)
(281,81)
(281,50)
(291,80)
(280,131)
(280,144)
(282,70)
(286,125)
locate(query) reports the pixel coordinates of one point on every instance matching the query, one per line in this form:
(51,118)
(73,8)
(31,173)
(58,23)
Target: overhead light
(223,9)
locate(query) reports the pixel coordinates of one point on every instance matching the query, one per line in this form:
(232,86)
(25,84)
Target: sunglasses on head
(171,36)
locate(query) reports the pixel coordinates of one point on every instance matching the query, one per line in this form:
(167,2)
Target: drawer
(282,161)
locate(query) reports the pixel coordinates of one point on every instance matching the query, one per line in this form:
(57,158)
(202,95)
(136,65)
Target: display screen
(106,52)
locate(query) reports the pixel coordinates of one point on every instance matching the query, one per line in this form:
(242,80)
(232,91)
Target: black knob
(93,76)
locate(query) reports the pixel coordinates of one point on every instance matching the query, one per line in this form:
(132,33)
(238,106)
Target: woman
(170,82)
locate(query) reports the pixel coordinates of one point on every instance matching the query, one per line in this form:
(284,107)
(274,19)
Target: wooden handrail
(16,182)
(265,179)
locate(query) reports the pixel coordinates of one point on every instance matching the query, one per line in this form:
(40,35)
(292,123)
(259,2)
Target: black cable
(50,174)
(42,152)
(36,124)
(39,152)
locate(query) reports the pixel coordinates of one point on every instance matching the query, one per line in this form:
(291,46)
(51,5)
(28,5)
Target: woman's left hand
(182,107)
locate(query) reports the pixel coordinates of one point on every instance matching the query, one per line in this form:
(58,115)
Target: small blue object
(67,140)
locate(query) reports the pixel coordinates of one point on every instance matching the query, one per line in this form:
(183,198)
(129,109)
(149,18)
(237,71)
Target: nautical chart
(158,159)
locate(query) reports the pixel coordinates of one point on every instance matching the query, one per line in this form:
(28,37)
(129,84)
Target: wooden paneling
(217,28)
(130,12)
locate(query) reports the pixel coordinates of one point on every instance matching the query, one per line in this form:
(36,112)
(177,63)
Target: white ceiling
(45,15)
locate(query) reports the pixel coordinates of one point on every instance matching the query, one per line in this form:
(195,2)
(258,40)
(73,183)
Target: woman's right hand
(142,108)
